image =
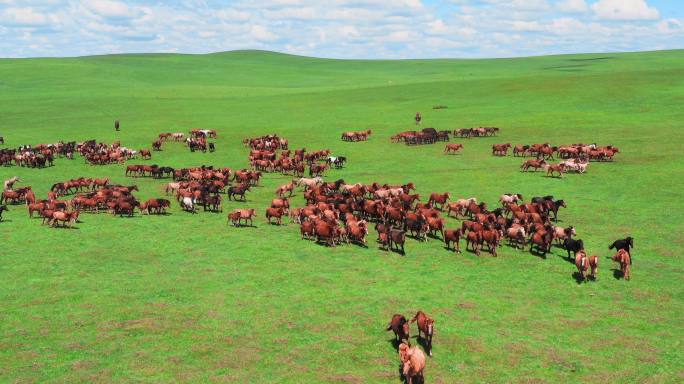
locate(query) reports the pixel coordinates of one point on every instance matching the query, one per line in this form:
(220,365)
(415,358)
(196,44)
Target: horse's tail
(611,246)
(389,327)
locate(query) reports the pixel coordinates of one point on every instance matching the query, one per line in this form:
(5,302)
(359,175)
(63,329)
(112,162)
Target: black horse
(573,245)
(3,208)
(626,244)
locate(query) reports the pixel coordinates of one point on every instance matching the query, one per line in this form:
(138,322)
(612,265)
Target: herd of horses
(334,212)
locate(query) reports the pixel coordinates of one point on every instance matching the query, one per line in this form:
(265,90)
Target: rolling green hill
(188,298)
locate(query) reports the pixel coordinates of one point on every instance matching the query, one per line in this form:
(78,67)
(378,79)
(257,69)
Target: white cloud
(25,16)
(110,8)
(625,10)
(671,26)
(572,6)
(262,33)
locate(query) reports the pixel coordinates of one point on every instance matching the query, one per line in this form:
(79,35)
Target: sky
(355,29)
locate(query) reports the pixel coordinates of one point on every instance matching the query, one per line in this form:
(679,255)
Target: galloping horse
(426,325)
(452,148)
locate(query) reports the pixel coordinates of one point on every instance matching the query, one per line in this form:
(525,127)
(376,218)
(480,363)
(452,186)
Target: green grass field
(188,298)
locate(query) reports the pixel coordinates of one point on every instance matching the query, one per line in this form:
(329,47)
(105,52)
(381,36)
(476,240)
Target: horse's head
(630,241)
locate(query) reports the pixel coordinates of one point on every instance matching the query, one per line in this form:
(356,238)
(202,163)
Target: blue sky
(340,28)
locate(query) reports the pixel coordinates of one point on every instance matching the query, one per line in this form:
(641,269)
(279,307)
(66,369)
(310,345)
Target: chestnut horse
(426,325)
(623,258)
(452,148)
(400,326)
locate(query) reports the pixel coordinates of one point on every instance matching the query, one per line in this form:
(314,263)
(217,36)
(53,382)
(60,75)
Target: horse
(452,148)
(400,326)
(572,245)
(188,204)
(309,182)
(626,244)
(276,213)
(560,234)
(64,217)
(3,208)
(542,240)
(9,183)
(506,199)
(581,263)
(413,363)
(453,236)
(426,325)
(624,259)
(516,233)
(593,264)
(397,238)
(553,168)
(289,188)
(238,190)
(536,164)
(242,214)
(500,149)
(441,199)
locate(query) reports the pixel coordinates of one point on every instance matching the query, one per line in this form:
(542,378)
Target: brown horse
(289,188)
(439,198)
(452,148)
(536,164)
(623,258)
(554,168)
(500,149)
(242,214)
(426,325)
(276,213)
(400,326)
(413,363)
(453,236)
(582,263)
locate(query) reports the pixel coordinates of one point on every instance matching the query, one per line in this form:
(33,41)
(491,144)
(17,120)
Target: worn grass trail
(188,298)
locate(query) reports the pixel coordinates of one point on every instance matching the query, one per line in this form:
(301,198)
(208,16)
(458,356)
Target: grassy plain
(187,298)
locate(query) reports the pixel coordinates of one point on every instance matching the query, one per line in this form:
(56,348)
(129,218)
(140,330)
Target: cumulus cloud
(625,10)
(335,28)
(572,6)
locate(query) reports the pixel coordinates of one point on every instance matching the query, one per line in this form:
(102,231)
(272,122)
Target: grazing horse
(426,325)
(400,326)
(413,363)
(9,183)
(624,244)
(3,208)
(452,148)
(188,204)
(623,258)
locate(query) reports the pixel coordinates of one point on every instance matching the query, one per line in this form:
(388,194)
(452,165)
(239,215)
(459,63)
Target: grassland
(186,298)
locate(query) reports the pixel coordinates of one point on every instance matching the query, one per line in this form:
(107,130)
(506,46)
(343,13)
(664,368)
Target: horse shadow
(617,274)
(578,277)
(538,253)
(423,343)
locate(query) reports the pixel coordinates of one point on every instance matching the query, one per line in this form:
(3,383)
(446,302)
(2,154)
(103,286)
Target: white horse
(188,204)
(510,198)
(310,182)
(10,182)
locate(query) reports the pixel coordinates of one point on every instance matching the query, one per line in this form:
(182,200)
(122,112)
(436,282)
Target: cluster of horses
(153,170)
(476,132)
(583,152)
(40,156)
(424,136)
(204,186)
(356,135)
(266,143)
(96,153)
(78,185)
(197,140)
(294,163)
(411,358)
(53,211)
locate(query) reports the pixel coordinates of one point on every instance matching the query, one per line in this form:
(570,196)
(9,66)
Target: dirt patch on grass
(340,378)
(467,305)
(82,365)
(474,345)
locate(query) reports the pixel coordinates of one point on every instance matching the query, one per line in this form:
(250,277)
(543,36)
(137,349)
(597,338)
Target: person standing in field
(116,125)
(418,118)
